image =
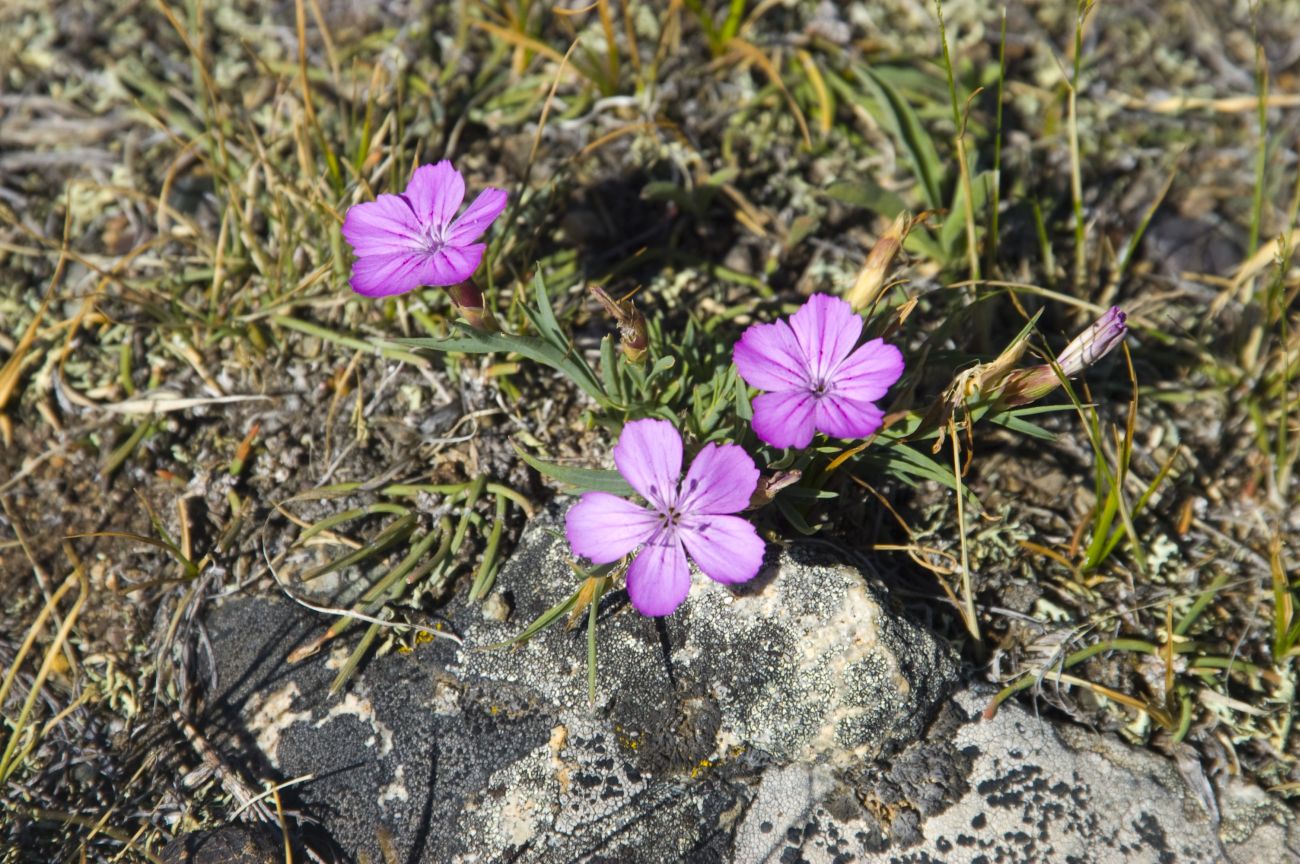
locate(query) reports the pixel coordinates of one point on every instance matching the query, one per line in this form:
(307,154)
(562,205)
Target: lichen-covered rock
(229,844)
(577,796)
(794,719)
(812,665)
(807,662)
(1029,794)
(391,762)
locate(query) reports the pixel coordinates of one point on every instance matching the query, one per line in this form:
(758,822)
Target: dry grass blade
(747,52)
(13,757)
(164,402)
(12,368)
(348,613)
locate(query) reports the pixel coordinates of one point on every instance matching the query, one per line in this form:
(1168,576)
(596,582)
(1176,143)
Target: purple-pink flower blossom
(816,380)
(413,239)
(690,518)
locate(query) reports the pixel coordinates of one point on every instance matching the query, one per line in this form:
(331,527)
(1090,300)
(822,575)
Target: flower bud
(469,303)
(633,337)
(770,484)
(1027,385)
(871,279)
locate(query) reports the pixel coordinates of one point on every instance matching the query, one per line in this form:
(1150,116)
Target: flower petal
(768,357)
(726,548)
(384,226)
(720,480)
(602,527)
(868,372)
(649,456)
(826,328)
(385,275)
(784,419)
(1094,343)
(658,578)
(477,217)
(841,417)
(435,193)
(452,265)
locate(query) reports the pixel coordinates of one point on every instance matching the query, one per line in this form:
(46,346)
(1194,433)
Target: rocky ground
(845,734)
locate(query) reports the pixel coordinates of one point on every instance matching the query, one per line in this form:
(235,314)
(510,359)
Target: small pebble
(496,608)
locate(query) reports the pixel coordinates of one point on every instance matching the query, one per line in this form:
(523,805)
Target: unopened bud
(633,337)
(1028,385)
(871,279)
(469,303)
(770,484)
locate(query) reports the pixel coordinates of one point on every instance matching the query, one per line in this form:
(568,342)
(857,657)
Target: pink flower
(691,518)
(408,240)
(816,380)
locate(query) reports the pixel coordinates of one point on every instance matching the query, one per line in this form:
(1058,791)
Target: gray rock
(576,799)
(1032,794)
(796,719)
(392,761)
(807,662)
(474,755)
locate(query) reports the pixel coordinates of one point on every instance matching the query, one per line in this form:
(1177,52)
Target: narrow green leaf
(471,498)
(893,112)
(190,568)
(1016,423)
(609,369)
(540,623)
(544,316)
(794,516)
(486,571)
(921,242)
(744,411)
(907,463)
(534,348)
(348,515)
(802,494)
(954,224)
(582,479)
(397,531)
(735,14)
(592,612)
(124,450)
(868,194)
(659,369)
(355,658)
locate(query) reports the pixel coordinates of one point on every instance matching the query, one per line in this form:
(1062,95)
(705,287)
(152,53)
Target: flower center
(819,388)
(435,237)
(672,517)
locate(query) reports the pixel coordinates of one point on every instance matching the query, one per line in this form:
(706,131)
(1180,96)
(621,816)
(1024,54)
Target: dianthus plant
(691,516)
(415,238)
(817,377)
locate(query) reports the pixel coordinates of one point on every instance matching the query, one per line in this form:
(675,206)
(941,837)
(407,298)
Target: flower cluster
(818,380)
(814,375)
